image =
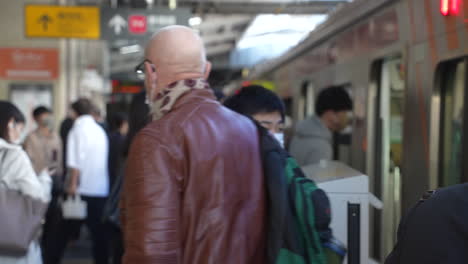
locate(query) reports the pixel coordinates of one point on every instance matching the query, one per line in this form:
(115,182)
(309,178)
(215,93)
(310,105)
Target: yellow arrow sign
(62,21)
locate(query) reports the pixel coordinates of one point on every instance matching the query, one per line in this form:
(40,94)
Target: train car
(405,64)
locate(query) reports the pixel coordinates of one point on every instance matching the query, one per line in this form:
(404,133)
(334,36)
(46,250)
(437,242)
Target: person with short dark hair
(87,162)
(82,107)
(43,144)
(262,105)
(45,151)
(138,118)
(17,174)
(313,138)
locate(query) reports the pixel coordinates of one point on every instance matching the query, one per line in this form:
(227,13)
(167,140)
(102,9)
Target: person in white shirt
(87,162)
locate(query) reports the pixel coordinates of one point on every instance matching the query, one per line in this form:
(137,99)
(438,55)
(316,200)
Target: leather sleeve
(152,200)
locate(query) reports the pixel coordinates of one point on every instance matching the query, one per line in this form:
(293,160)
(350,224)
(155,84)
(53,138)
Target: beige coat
(44,152)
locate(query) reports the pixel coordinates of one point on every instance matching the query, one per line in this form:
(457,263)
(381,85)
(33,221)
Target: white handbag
(74,208)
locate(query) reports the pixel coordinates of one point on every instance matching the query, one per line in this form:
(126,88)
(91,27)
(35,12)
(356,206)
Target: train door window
(306,100)
(342,140)
(453,91)
(388,145)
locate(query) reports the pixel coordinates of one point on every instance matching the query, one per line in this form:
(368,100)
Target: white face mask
(280,138)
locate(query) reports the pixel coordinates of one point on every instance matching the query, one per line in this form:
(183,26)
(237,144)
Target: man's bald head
(177,50)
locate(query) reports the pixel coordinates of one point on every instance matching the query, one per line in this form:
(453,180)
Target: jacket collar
(195,96)
(5,144)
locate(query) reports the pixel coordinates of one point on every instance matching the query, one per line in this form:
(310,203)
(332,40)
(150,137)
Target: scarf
(166,99)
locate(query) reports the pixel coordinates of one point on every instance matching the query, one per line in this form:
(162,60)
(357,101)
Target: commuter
(45,151)
(17,173)
(435,230)
(138,119)
(65,128)
(43,144)
(118,133)
(262,105)
(313,137)
(193,190)
(268,110)
(87,161)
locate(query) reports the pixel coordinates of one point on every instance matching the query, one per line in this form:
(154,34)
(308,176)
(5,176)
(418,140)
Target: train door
(386,152)
(453,144)
(306,100)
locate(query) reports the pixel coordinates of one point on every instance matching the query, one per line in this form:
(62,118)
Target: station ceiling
(221,23)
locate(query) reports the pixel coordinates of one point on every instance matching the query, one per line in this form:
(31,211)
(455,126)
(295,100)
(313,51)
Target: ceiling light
(172,4)
(130,49)
(195,21)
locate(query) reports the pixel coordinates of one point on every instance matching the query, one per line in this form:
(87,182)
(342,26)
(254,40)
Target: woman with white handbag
(24,195)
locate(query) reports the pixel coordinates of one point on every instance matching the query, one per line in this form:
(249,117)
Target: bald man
(194,190)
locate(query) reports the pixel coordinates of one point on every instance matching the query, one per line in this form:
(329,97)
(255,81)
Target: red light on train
(449,7)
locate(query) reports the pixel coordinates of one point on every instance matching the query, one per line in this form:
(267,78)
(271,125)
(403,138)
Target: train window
(452,122)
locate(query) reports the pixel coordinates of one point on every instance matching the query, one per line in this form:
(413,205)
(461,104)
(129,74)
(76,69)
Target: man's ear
(151,77)
(149,69)
(207,70)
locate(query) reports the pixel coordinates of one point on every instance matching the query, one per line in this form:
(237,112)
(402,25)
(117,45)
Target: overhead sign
(62,21)
(139,23)
(28,64)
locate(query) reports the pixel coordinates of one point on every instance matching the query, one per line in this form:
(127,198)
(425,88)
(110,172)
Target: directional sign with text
(139,23)
(62,21)
(29,63)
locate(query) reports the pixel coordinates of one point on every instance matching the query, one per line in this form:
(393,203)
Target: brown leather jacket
(194,189)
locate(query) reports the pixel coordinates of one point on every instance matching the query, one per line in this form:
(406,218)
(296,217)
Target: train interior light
(449,7)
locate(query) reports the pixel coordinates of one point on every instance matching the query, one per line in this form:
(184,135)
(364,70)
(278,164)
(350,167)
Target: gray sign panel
(139,24)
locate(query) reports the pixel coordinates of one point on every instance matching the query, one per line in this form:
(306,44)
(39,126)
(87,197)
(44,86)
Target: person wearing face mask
(17,173)
(313,139)
(45,151)
(262,105)
(267,109)
(43,144)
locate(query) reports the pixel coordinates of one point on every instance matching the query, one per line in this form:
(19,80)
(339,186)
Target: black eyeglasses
(140,68)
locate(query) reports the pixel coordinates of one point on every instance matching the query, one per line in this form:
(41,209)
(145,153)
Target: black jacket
(281,226)
(435,231)
(282,230)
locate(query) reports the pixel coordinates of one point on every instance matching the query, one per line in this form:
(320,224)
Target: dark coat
(435,231)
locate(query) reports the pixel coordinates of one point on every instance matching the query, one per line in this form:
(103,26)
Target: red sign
(137,24)
(449,7)
(126,87)
(28,64)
